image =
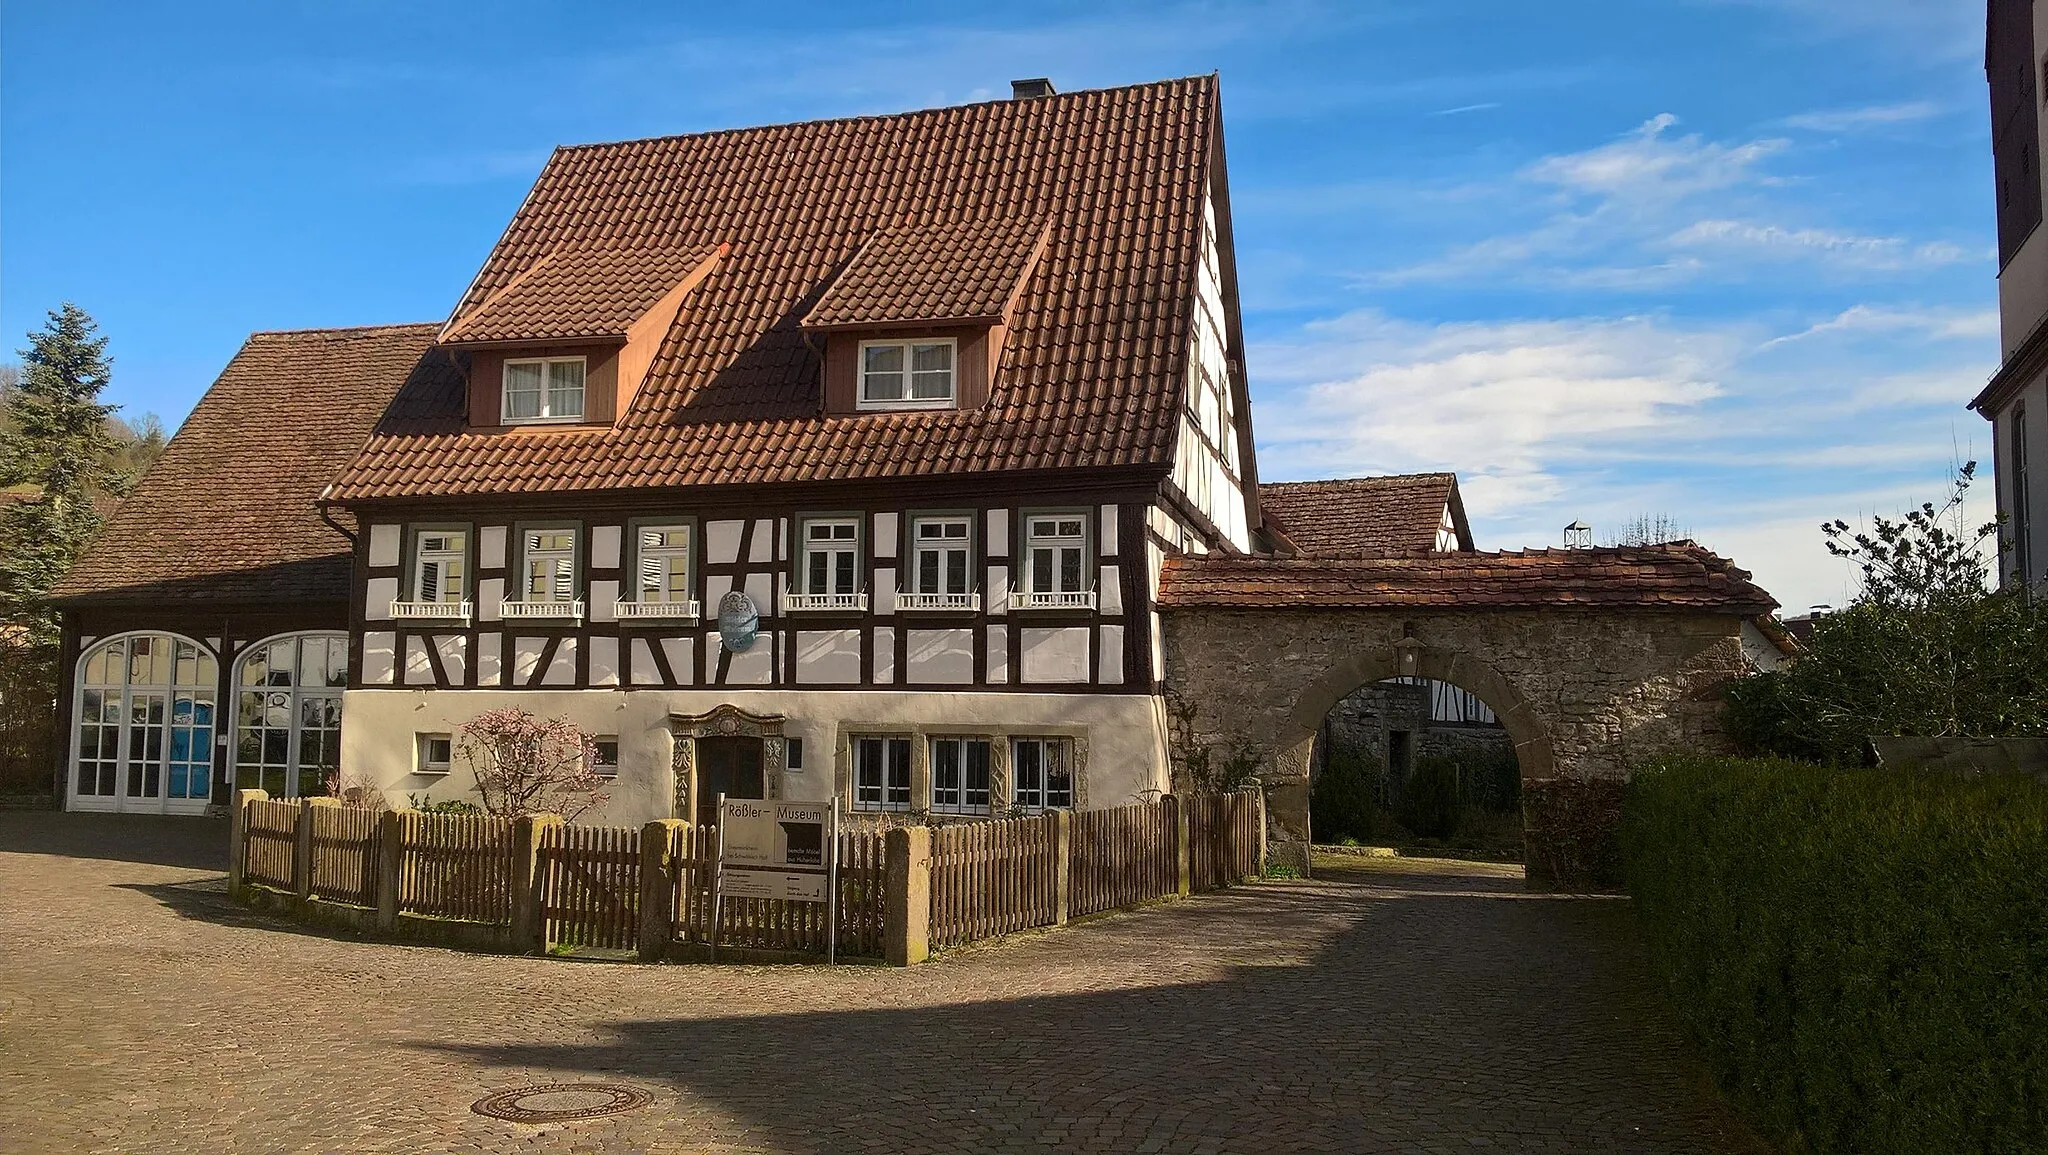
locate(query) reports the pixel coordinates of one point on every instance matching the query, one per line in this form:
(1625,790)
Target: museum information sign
(778,850)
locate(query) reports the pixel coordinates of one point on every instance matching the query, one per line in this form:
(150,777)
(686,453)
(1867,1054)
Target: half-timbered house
(835,458)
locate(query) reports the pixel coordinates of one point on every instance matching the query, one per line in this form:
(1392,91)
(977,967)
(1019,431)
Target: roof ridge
(875,116)
(1367,477)
(344,329)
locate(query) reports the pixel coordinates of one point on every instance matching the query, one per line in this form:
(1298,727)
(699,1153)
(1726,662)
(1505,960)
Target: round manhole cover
(561,1102)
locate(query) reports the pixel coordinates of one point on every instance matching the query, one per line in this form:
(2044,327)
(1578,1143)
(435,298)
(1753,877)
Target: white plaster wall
(1055,653)
(1199,472)
(380,658)
(827,656)
(721,542)
(378,594)
(1126,734)
(384,541)
(2034,399)
(490,658)
(939,656)
(604,546)
(490,547)
(2023,283)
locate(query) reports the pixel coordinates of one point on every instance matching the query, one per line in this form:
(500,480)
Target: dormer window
(543,389)
(908,374)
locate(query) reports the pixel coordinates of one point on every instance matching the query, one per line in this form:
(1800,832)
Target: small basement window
(543,389)
(907,374)
(435,753)
(606,763)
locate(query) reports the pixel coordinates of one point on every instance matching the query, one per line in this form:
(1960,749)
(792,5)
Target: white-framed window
(606,762)
(881,773)
(548,565)
(908,374)
(542,389)
(662,584)
(941,565)
(288,714)
(1042,773)
(960,775)
(1056,562)
(143,729)
(434,753)
(828,565)
(440,567)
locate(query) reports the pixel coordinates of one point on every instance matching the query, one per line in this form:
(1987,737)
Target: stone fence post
(391,830)
(529,928)
(657,896)
(238,839)
(1062,856)
(907,913)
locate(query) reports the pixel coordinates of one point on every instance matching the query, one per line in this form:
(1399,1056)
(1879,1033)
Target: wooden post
(390,866)
(238,839)
(908,916)
(657,891)
(1062,880)
(1182,850)
(529,928)
(1259,865)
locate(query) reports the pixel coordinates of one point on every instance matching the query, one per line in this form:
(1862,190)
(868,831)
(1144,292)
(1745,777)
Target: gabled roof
(578,292)
(960,271)
(1677,576)
(226,515)
(1091,375)
(1366,515)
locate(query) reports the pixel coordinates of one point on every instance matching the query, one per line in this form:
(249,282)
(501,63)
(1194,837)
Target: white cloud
(1844,120)
(1654,209)
(1647,163)
(1844,249)
(1751,434)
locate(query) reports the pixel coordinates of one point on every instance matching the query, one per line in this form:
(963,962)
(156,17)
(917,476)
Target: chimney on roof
(1026,89)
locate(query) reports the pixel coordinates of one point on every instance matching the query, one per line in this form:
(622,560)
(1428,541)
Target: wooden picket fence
(456,866)
(590,886)
(538,883)
(270,846)
(773,924)
(345,845)
(997,877)
(991,878)
(1122,857)
(1223,839)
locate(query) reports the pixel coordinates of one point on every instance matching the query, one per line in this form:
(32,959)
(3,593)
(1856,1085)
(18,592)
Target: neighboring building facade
(837,458)
(2016,399)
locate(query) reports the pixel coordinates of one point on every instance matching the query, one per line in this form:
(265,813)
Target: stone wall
(1579,692)
(1361,722)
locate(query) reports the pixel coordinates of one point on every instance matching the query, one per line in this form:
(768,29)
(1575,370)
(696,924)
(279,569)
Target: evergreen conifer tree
(56,442)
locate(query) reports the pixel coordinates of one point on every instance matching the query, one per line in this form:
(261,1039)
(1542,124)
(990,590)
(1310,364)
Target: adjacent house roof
(1091,375)
(578,292)
(1366,515)
(227,514)
(1677,576)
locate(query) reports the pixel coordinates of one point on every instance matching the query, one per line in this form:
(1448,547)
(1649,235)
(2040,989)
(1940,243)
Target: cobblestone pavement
(1396,1006)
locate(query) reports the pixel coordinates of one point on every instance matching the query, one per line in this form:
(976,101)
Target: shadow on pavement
(1444,1014)
(195,843)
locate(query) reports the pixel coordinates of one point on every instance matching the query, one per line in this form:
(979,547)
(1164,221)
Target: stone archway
(1582,691)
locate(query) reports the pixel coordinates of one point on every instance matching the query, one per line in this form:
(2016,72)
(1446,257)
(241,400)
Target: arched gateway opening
(1591,659)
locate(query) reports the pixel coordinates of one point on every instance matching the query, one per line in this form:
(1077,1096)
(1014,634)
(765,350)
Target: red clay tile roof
(1365,515)
(578,291)
(226,515)
(1091,376)
(963,270)
(1678,576)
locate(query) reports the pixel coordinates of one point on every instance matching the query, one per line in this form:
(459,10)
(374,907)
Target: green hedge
(1862,954)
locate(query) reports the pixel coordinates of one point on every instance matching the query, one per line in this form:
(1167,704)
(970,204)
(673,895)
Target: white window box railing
(1052,600)
(844,603)
(656,611)
(914,602)
(541,611)
(431,611)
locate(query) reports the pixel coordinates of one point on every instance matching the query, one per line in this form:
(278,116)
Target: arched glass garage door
(143,740)
(288,713)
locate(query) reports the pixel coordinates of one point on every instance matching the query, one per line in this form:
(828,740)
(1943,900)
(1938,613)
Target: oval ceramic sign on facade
(739,621)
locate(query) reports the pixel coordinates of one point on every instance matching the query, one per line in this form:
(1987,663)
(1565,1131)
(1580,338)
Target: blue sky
(1726,260)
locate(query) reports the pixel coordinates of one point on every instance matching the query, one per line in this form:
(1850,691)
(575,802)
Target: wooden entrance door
(728,765)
